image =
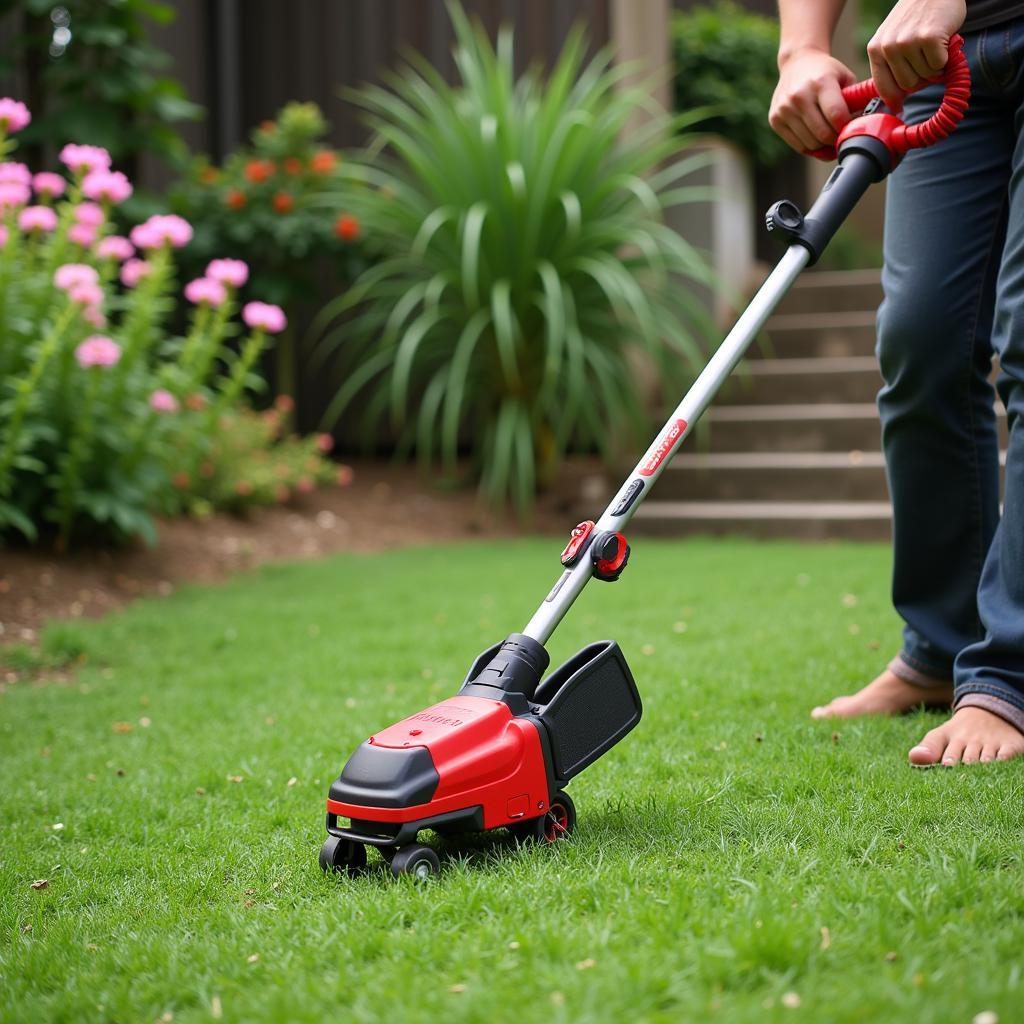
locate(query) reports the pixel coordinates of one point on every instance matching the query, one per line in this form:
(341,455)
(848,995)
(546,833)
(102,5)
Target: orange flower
(283,203)
(284,403)
(257,171)
(323,162)
(195,402)
(347,227)
(235,198)
(292,165)
(267,126)
(209,175)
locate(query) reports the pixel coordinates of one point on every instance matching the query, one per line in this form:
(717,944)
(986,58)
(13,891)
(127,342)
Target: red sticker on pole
(668,441)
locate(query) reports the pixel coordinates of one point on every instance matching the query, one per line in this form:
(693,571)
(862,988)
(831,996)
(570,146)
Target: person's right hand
(808,109)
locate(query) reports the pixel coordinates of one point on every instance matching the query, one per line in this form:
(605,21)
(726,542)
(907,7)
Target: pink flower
(94,316)
(13,115)
(163,401)
(98,350)
(133,272)
(160,230)
(304,485)
(70,274)
(85,158)
(49,185)
(89,213)
(14,174)
(345,476)
(205,291)
(264,315)
(82,234)
(111,186)
(13,195)
(37,218)
(115,247)
(324,443)
(233,273)
(86,293)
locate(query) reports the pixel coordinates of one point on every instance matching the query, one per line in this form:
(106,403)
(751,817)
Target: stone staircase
(791,448)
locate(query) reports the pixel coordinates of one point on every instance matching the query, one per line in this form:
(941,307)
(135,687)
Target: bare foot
(886,695)
(971,735)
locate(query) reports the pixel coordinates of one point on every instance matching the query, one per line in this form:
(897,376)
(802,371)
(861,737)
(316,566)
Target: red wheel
(554,824)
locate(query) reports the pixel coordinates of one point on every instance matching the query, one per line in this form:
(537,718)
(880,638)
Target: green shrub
(725,60)
(104,418)
(93,74)
(266,200)
(523,253)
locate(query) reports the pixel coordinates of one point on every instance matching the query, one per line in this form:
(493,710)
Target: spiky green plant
(523,253)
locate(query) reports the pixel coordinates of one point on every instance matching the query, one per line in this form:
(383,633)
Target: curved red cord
(957,78)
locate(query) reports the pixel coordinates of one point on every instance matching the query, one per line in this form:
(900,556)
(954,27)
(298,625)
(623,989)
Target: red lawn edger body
(500,752)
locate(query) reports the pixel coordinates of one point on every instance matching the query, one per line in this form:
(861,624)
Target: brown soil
(386,506)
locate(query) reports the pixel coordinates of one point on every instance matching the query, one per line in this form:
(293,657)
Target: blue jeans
(953,281)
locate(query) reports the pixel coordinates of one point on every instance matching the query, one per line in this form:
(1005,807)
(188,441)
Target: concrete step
(775,476)
(834,291)
(825,426)
(809,335)
(806,520)
(788,381)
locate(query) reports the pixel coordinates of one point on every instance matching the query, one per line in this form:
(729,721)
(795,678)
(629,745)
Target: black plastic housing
(509,672)
(587,705)
(386,777)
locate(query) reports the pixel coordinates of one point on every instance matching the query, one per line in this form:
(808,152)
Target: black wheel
(555,823)
(343,856)
(419,861)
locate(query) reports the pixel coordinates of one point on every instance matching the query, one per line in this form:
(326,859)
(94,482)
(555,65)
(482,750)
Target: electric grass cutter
(500,752)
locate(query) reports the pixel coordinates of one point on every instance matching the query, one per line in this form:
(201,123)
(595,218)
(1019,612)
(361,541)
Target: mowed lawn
(733,860)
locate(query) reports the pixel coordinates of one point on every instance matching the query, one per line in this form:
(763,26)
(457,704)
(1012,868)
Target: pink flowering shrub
(106,419)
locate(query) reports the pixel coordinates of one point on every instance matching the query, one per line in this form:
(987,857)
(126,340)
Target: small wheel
(417,860)
(343,856)
(555,823)
(559,820)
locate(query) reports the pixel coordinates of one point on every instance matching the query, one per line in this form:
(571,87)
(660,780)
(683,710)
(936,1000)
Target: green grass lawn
(733,860)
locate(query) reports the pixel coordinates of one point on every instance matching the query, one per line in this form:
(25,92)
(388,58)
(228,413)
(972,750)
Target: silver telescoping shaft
(646,472)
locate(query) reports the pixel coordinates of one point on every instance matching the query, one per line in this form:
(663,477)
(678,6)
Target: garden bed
(386,506)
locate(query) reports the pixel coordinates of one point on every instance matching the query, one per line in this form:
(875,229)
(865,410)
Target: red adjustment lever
(578,540)
(610,553)
(898,137)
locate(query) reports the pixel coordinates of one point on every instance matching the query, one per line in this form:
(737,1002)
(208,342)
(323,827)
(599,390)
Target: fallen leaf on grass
(122,727)
(252,959)
(26,928)
(835,737)
(456,988)
(985,1017)
(250,892)
(200,791)
(826,938)
(216,1010)
(41,883)
(558,998)
(90,777)
(292,781)
(647,649)
(145,722)
(513,945)
(891,956)
(586,965)
(234,778)
(57,826)
(166,1018)
(790,1000)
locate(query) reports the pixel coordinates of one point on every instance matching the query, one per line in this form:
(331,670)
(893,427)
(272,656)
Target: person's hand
(912,45)
(808,109)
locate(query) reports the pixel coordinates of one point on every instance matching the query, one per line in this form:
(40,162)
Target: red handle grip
(957,79)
